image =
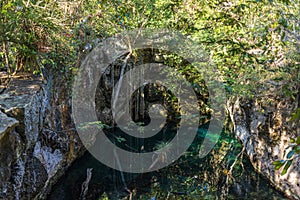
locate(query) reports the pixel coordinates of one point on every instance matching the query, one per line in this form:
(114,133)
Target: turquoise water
(187,178)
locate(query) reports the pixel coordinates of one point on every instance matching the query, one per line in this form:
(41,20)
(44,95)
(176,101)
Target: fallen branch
(85,184)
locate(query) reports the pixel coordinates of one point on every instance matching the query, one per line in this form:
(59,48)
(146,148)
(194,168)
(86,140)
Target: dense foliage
(251,42)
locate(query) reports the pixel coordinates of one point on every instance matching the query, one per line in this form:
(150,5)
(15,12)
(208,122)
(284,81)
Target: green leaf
(296,115)
(278,164)
(120,139)
(293,140)
(277,167)
(286,167)
(298,140)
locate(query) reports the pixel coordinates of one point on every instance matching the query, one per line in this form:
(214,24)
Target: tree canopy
(251,42)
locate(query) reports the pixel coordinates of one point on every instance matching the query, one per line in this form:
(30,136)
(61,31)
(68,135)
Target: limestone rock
(265,130)
(37,142)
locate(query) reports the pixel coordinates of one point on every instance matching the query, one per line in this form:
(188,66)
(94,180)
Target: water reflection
(225,173)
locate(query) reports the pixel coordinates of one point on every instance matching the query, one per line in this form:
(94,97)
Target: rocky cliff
(37,141)
(263,126)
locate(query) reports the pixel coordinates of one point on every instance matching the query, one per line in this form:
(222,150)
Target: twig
(229,174)
(85,184)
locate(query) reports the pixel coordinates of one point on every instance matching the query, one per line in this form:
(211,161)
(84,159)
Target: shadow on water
(188,178)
